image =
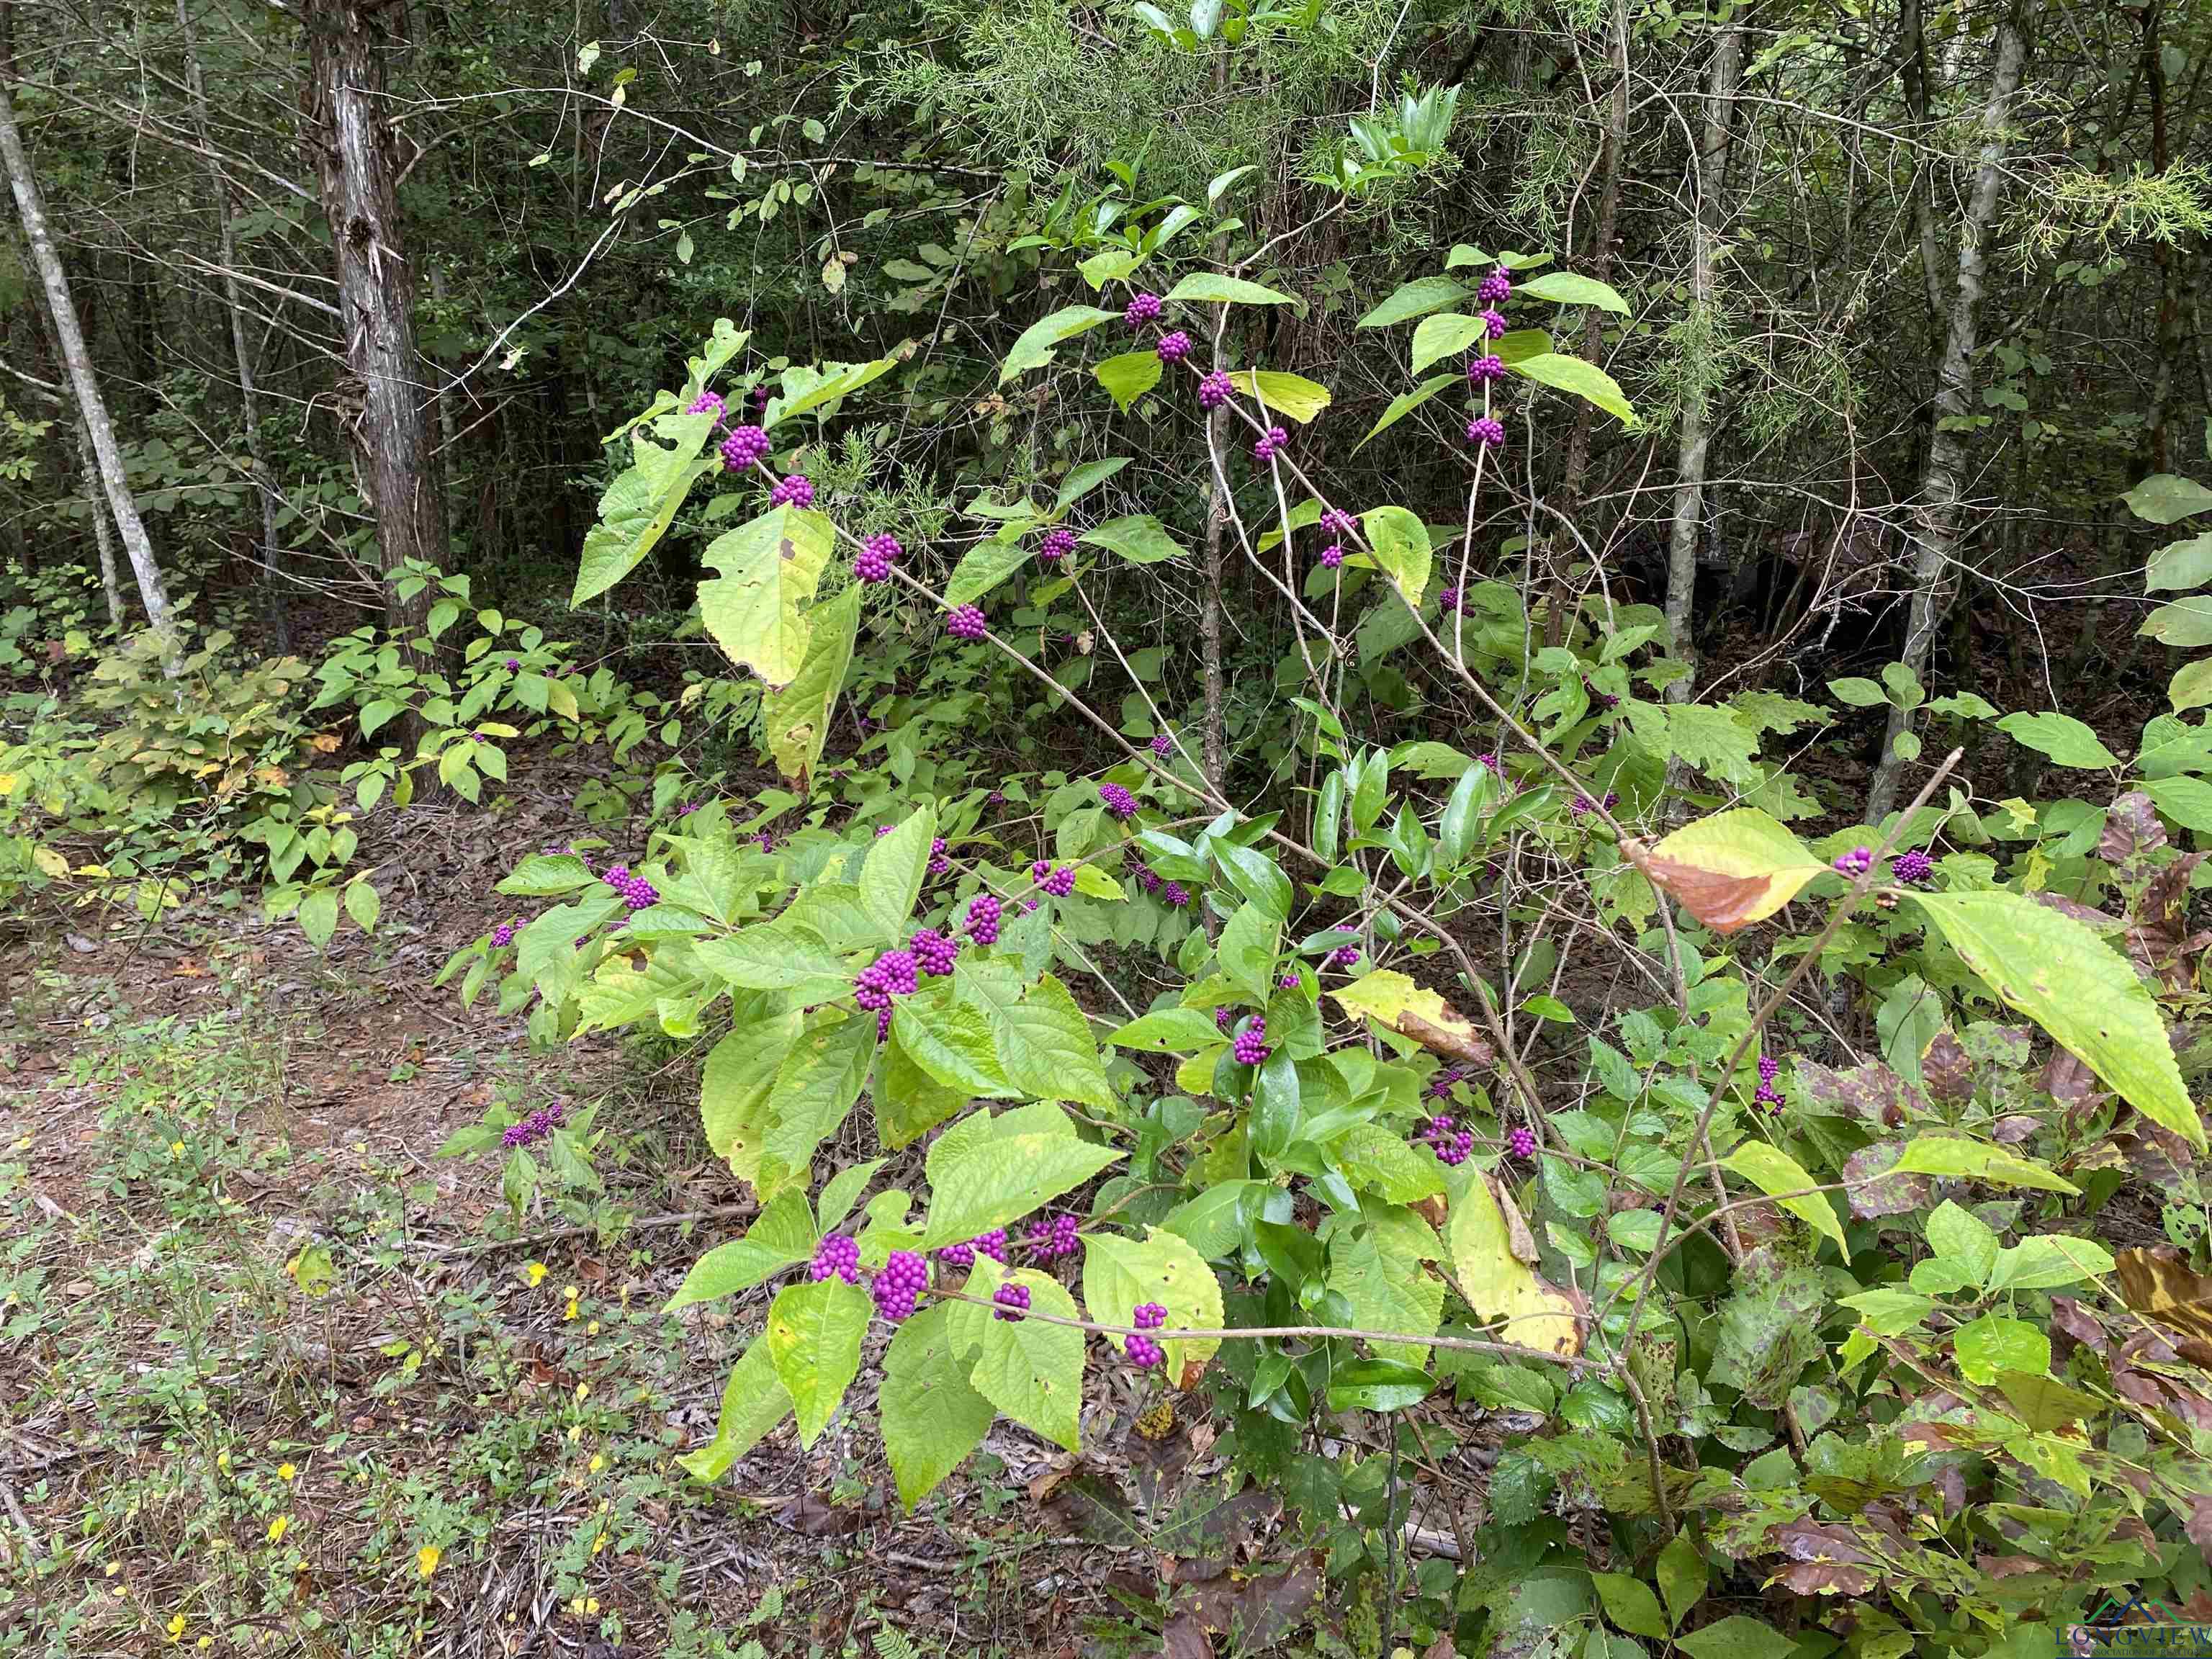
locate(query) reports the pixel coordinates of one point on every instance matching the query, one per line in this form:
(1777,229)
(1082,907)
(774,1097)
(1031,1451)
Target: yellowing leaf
(1781,1178)
(1293,395)
(1497,1283)
(769,570)
(1392,999)
(1730,870)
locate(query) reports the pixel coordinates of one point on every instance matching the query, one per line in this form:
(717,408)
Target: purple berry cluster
(1290,981)
(935,953)
(983,913)
(1337,523)
(535,1127)
(1582,806)
(1451,598)
(1272,443)
(939,864)
(1912,868)
(1493,320)
(636,891)
(1117,801)
(1251,1047)
(1057,879)
(904,1278)
(1767,1095)
(1141,309)
(1486,368)
(1057,543)
(894,974)
(796,490)
(744,446)
(1173,347)
(1485,433)
(965,622)
(1215,389)
(1521,1142)
(1332,555)
(1050,1238)
(1497,288)
(877,556)
(1440,1086)
(1174,894)
(503,935)
(837,1256)
(1013,1302)
(1144,1352)
(993,1244)
(1451,1145)
(1223,1017)
(707,403)
(1855,863)
(1345,955)
(1163,745)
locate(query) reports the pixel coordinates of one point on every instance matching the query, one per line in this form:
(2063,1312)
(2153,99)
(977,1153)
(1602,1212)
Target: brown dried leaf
(2157,1285)
(1724,903)
(2131,827)
(1945,1068)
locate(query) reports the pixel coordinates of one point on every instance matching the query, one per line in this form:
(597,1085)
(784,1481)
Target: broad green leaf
(1416,299)
(753,1402)
(1400,545)
(1958,1158)
(1564,287)
(541,875)
(2048,1261)
(639,505)
(2187,801)
(795,718)
(983,567)
(1139,539)
(378,714)
(2191,686)
(782,1236)
(931,1417)
(1405,404)
(1995,1344)
(2065,739)
(2180,566)
(1499,1285)
(1247,949)
(1128,376)
(1093,883)
(1213,1223)
(1731,869)
(892,879)
(834,381)
(908,1102)
(1774,1172)
(2059,974)
(951,1042)
(2182,623)
(1378,1270)
(1028,1369)
(816,1086)
(1585,380)
(319,915)
(1858,691)
(1086,478)
(1737,1637)
(1374,1160)
(1033,349)
(843,1190)
(1447,336)
(2163,498)
(733,1094)
(1630,1605)
(1044,1042)
(1119,1275)
(1379,1385)
(621,992)
(983,1175)
(755,609)
(1291,395)
(1681,1574)
(1203,287)
(1959,1235)
(774,956)
(814,1336)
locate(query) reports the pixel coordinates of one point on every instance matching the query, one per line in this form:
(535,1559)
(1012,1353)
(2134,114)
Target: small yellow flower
(597,1463)
(591,1604)
(278,1527)
(601,1542)
(569,1312)
(286,1471)
(535,1272)
(122,1590)
(222,1459)
(176,1149)
(576,1432)
(112,1568)
(205,1643)
(592,1329)
(583,1391)
(176,1626)
(427,1559)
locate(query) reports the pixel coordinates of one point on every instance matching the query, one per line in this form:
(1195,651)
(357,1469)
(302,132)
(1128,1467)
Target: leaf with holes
(756,608)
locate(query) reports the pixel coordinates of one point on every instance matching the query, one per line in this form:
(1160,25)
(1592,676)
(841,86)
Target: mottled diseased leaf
(1873,1191)
(756,608)
(1871,1092)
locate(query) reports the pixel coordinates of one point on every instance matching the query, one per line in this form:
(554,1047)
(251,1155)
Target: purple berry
(1251,1047)
(1148,1316)
(1163,745)
(1855,863)
(1521,1142)
(1486,433)
(1272,443)
(706,403)
(1766,1095)
(1344,955)
(1337,523)
(877,555)
(1173,347)
(1215,389)
(1290,981)
(1141,309)
(744,446)
(1118,801)
(1013,1302)
(1144,1353)
(936,954)
(1057,879)
(1769,1067)
(965,623)
(837,1256)
(1332,555)
(796,490)
(1494,321)
(1051,1236)
(1487,368)
(1057,543)
(1174,894)
(504,933)
(983,913)
(1451,1145)
(1912,868)
(904,1277)
(1497,288)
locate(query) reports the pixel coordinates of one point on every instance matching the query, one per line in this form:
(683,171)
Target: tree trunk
(1936,513)
(114,483)
(103,534)
(385,398)
(264,481)
(1915,31)
(1711,169)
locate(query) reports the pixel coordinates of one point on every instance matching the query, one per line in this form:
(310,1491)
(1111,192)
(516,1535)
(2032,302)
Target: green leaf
(2059,974)
(1447,336)
(1204,288)
(2183,624)
(319,915)
(1994,1344)
(2187,801)
(378,713)
(1291,395)
(1045,1044)
(908,1102)
(1378,1385)
(1585,380)
(1140,538)
(1028,1369)
(1085,479)
(1405,404)
(1213,1223)
(838,380)
(815,1087)
(2175,568)
(1957,1158)
(843,1190)
(1033,349)
(796,720)
(753,1402)
(1774,1172)
(981,568)
(1736,1638)
(1630,1604)
(541,875)
(1416,299)
(1257,876)
(1957,1236)
(1374,1160)
(2191,686)
(1566,288)
(1247,949)
(1120,1274)
(984,1174)
(951,1041)
(2065,739)
(1378,1270)
(640,504)
(1682,1576)
(774,956)
(1168,1031)
(931,1417)
(781,1237)
(755,609)
(1128,376)
(1400,542)
(891,881)
(733,1094)
(2048,1260)
(363,904)
(814,1336)
(1858,692)
(2163,498)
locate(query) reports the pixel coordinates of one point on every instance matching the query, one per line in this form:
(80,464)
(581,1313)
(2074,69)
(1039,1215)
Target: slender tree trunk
(264,480)
(1914,29)
(351,144)
(114,483)
(1710,171)
(1936,513)
(103,534)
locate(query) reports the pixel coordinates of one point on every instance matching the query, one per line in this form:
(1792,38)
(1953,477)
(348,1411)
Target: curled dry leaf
(1393,1000)
(1730,870)
(2158,1286)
